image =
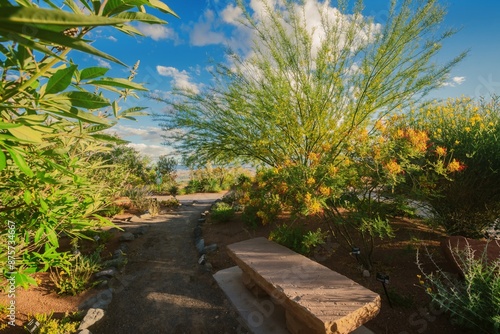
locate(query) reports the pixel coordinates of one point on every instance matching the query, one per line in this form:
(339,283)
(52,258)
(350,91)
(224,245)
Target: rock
(200,245)
(491,250)
(85,331)
(201,220)
(202,260)
(93,316)
(197,232)
(127,236)
(117,263)
(210,248)
(366,273)
(110,272)
(208,266)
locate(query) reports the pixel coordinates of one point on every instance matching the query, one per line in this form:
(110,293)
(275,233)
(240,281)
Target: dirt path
(163,289)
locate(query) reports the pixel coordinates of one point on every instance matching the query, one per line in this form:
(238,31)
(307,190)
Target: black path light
(384,279)
(356,251)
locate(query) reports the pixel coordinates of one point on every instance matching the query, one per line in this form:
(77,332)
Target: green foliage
(294,93)
(211,179)
(166,166)
(76,277)
(469,131)
(170,203)
(50,325)
(296,239)
(221,212)
(112,210)
(52,114)
(473,302)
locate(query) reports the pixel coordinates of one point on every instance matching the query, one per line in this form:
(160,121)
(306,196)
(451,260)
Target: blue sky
(178,54)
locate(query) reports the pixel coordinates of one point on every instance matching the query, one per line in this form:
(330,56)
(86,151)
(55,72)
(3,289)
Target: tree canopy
(314,77)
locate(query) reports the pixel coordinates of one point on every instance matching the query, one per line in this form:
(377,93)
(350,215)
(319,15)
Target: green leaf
(52,236)
(117,82)
(20,162)
(26,134)
(46,35)
(43,205)
(39,234)
(162,7)
(116,6)
(24,280)
(9,125)
(33,15)
(93,72)
(138,16)
(60,80)
(84,99)
(3,160)
(109,138)
(33,119)
(27,197)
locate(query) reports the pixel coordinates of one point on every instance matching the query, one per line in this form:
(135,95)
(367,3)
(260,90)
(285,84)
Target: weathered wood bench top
(316,299)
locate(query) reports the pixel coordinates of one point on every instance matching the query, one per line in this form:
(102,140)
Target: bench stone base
(259,314)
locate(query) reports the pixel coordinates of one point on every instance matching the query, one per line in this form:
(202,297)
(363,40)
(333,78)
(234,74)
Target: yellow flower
(441,151)
(467,129)
(325,191)
(393,167)
(429,290)
(454,166)
(310,181)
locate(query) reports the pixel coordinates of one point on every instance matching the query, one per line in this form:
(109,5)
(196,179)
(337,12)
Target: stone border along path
(162,288)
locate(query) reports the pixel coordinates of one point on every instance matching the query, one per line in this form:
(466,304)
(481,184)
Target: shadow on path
(162,288)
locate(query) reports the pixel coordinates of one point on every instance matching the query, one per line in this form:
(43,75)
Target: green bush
(221,212)
(469,131)
(474,301)
(296,239)
(76,278)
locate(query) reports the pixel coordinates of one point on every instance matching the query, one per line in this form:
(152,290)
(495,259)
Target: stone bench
(315,298)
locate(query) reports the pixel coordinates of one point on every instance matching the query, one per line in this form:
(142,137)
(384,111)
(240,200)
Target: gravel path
(163,289)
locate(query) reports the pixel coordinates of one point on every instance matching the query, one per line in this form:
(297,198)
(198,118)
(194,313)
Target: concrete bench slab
(315,298)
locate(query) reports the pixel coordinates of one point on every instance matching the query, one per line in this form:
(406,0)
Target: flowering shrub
(468,132)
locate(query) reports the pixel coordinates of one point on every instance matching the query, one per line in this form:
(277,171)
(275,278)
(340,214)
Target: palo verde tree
(52,112)
(315,76)
(313,100)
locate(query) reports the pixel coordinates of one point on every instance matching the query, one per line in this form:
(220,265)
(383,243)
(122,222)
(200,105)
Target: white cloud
(231,14)
(112,38)
(102,63)
(150,134)
(157,32)
(203,31)
(180,79)
(153,151)
(455,81)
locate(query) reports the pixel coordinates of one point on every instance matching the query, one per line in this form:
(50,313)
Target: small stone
(202,260)
(208,266)
(117,263)
(201,220)
(210,248)
(93,316)
(366,273)
(200,245)
(110,272)
(127,236)
(197,232)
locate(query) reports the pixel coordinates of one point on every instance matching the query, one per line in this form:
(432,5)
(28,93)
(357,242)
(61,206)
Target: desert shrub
(296,238)
(468,131)
(221,212)
(76,277)
(170,203)
(111,210)
(49,325)
(174,190)
(474,301)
